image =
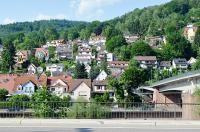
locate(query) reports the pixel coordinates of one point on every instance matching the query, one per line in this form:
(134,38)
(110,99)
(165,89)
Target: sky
(82,10)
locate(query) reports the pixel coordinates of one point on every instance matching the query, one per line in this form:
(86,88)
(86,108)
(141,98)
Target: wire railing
(92,110)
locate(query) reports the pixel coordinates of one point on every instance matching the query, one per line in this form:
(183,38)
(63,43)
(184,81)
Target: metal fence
(91,110)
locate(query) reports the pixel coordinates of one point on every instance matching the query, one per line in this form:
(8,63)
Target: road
(79,125)
(65,129)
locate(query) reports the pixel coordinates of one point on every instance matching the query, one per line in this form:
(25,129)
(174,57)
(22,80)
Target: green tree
(85,34)
(51,34)
(182,47)
(19,98)
(51,51)
(131,79)
(197,37)
(73,34)
(41,103)
(3,94)
(115,42)
(116,85)
(94,72)
(141,48)
(80,71)
(8,56)
(168,52)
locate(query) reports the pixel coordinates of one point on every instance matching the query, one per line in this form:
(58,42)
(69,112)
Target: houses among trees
(100,60)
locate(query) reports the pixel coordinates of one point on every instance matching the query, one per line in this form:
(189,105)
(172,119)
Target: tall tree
(80,71)
(8,54)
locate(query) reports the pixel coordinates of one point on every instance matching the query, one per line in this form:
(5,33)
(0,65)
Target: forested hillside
(164,20)
(156,20)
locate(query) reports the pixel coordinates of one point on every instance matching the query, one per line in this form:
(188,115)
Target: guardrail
(91,110)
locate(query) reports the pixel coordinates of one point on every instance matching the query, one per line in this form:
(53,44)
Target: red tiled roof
(45,51)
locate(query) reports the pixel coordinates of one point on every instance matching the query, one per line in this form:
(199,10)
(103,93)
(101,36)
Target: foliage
(51,51)
(118,88)
(80,71)
(8,55)
(115,42)
(141,48)
(19,98)
(41,103)
(197,37)
(87,110)
(94,72)
(3,94)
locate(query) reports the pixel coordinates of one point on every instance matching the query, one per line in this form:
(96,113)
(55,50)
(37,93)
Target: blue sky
(84,10)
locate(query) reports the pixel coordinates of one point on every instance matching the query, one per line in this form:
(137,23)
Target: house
(41,54)
(189,32)
(84,59)
(109,57)
(165,65)
(191,61)
(180,63)
(55,67)
(32,69)
(7,81)
(154,41)
(27,88)
(21,56)
(64,52)
(97,40)
(87,68)
(28,84)
(101,56)
(117,67)
(100,87)
(54,43)
(80,88)
(22,83)
(131,38)
(85,51)
(102,76)
(59,85)
(147,61)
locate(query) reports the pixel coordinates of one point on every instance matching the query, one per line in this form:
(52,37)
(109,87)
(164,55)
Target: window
(82,93)
(52,89)
(72,93)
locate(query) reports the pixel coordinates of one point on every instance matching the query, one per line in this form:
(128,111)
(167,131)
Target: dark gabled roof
(180,61)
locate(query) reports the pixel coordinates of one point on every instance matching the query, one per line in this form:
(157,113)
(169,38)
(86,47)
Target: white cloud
(41,16)
(8,21)
(91,8)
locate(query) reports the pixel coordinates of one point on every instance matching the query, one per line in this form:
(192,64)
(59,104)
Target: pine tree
(8,56)
(80,71)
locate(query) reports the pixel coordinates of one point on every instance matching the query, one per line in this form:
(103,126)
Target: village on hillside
(83,68)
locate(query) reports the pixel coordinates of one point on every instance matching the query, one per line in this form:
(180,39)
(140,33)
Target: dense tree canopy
(115,42)
(141,48)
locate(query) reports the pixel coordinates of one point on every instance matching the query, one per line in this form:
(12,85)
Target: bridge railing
(92,110)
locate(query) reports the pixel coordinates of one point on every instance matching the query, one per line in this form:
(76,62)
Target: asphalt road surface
(110,129)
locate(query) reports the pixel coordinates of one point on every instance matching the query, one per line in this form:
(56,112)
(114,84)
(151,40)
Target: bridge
(177,90)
